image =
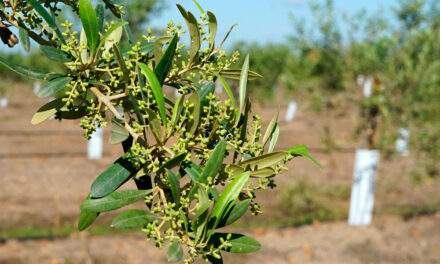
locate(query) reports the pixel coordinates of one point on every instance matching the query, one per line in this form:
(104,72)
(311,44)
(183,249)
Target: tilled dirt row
(390,240)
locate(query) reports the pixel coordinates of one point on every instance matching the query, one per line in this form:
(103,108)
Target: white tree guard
(291,110)
(3,101)
(94,147)
(360,80)
(368,87)
(402,142)
(362,191)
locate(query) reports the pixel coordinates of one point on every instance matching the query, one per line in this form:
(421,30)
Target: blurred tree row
(326,56)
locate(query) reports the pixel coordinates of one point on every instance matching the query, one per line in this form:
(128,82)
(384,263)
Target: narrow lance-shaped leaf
(56,54)
(202,213)
(133,219)
(302,151)
(194,33)
(199,7)
(121,64)
(195,39)
(47,17)
(157,91)
(193,171)
(28,72)
(226,200)
(129,34)
(243,83)
(227,88)
(265,160)
(83,43)
(154,123)
(100,13)
(24,38)
(136,109)
(194,100)
(158,46)
(175,187)
(239,243)
(204,90)
(114,200)
(235,74)
(212,29)
(119,133)
(214,162)
(274,138)
(46,111)
(90,24)
(173,162)
(175,252)
(177,110)
(166,62)
(270,128)
(236,213)
(86,218)
(53,86)
(113,177)
(112,36)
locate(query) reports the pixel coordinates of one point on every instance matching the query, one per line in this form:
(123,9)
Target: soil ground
(45,176)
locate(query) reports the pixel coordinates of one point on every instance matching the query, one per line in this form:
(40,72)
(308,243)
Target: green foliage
(305,201)
(269,61)
(179,153)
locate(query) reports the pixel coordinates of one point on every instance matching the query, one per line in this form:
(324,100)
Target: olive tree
(197,161)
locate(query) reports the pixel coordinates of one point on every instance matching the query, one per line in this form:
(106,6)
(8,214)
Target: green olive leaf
(194,100)
(194,33)
(112,178)
(214,162)
(243,83)
(237,211)
(175,187)
(239,243)
(158,46)
(166,62)
(47,110)
(56,54)
(227,88)
(265,160)
(112,37)
(133,219)
(86,218)
(175,252)
(114,200)
(270,128)
(226,200)
(119,133)
(235,74)
(274,138)
(157,91)
(212,29)
(303,151)
(154,123)
(51,87)
(24,38)
(28,72)
(90,24)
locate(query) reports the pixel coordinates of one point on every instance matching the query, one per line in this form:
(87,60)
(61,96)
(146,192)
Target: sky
(260,21)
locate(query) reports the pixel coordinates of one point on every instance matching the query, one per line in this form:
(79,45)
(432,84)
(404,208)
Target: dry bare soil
(44,176)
